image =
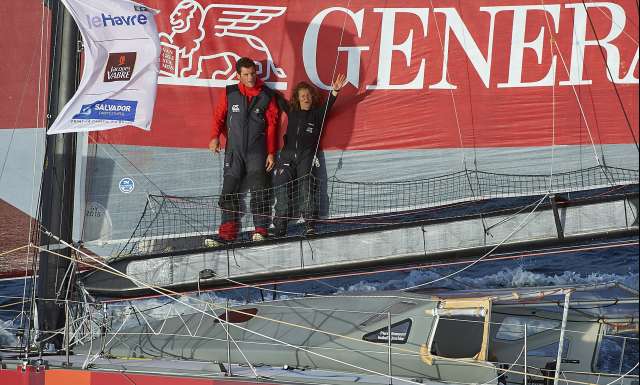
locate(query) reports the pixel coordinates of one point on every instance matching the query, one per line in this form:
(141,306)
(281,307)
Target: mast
(57,189)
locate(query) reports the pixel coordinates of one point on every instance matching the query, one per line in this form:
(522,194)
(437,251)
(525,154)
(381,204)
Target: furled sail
(446,105)
(433,90)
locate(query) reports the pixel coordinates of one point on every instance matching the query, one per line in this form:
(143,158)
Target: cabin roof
(607,300)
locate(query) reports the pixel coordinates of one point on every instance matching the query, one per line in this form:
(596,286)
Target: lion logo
(205,43)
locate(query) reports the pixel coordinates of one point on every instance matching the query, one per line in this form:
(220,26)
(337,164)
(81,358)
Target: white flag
(120,75)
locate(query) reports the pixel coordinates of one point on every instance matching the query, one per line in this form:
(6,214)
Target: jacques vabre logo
(119,66)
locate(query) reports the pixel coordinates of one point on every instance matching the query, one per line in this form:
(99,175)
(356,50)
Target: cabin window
(399,333)
(512,327)
(550,350)
(458,337)
(617,352)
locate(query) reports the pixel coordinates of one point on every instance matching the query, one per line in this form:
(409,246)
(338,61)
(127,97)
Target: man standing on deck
(249,113)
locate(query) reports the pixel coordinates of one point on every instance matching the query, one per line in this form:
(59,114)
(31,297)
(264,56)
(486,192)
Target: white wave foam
(520,277)
(505,278)
(7,338)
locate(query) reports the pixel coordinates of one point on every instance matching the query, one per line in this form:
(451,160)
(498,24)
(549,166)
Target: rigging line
(53,49)
(395,348)
(615,87)
(500,372)
(353,221)
(424,249)
(539,328)
(538,316)
(86,362)
(618,25)
(553,102)
(382,215)
(13,250)
(6,155)
(333,75)
(592,101)
(473,126)
(142,174)
(129,161)
(595,117)
(18,110)
(89,168)
(507,219)
(395,214)
(440,357)
(35,197)
(573,87)
(204,312)
(502,257)
(453,99)
(189,222)
(518,228)
(170,293)
(49,54)
(297,347)
(11,304)
(624,375)
(581,108)
(553,105)
(499,257)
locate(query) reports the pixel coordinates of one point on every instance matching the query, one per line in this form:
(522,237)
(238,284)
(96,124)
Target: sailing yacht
(473,140)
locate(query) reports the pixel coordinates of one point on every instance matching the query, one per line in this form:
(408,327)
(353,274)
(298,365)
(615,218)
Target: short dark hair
(244,62)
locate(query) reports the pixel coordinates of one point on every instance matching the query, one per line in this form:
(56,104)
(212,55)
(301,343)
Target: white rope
(514,363)
(573,88)
(616,24)
(518,228)
(158,290)
(624,375)
(169,293)
(322,309)
(86,362)
(453,99)
(333,75)
(261,288)
(553,105)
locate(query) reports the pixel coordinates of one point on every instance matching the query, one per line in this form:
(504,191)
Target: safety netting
(311,206)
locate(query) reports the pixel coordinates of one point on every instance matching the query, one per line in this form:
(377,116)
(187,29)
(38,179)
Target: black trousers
(294,197)
(237,168)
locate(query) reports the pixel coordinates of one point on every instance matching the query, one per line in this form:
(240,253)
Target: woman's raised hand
(339,82)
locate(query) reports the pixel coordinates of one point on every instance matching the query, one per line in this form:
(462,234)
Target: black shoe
(309,229)
(279,231)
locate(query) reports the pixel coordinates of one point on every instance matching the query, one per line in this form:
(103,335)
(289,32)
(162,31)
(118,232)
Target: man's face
(247,76)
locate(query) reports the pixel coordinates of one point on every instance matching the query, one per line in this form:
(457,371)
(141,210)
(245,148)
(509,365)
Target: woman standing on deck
(297,159)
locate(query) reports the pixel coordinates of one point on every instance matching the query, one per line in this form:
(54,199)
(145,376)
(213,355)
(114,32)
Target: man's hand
(270,162)
(214,145)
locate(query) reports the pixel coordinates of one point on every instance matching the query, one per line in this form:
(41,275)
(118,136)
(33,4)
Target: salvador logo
(108,110)
(119,66)
(204,43)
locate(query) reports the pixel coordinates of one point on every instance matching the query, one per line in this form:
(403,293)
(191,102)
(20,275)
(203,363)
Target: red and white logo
(205,43)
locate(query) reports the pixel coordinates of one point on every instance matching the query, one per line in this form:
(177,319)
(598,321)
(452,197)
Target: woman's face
(305,99)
